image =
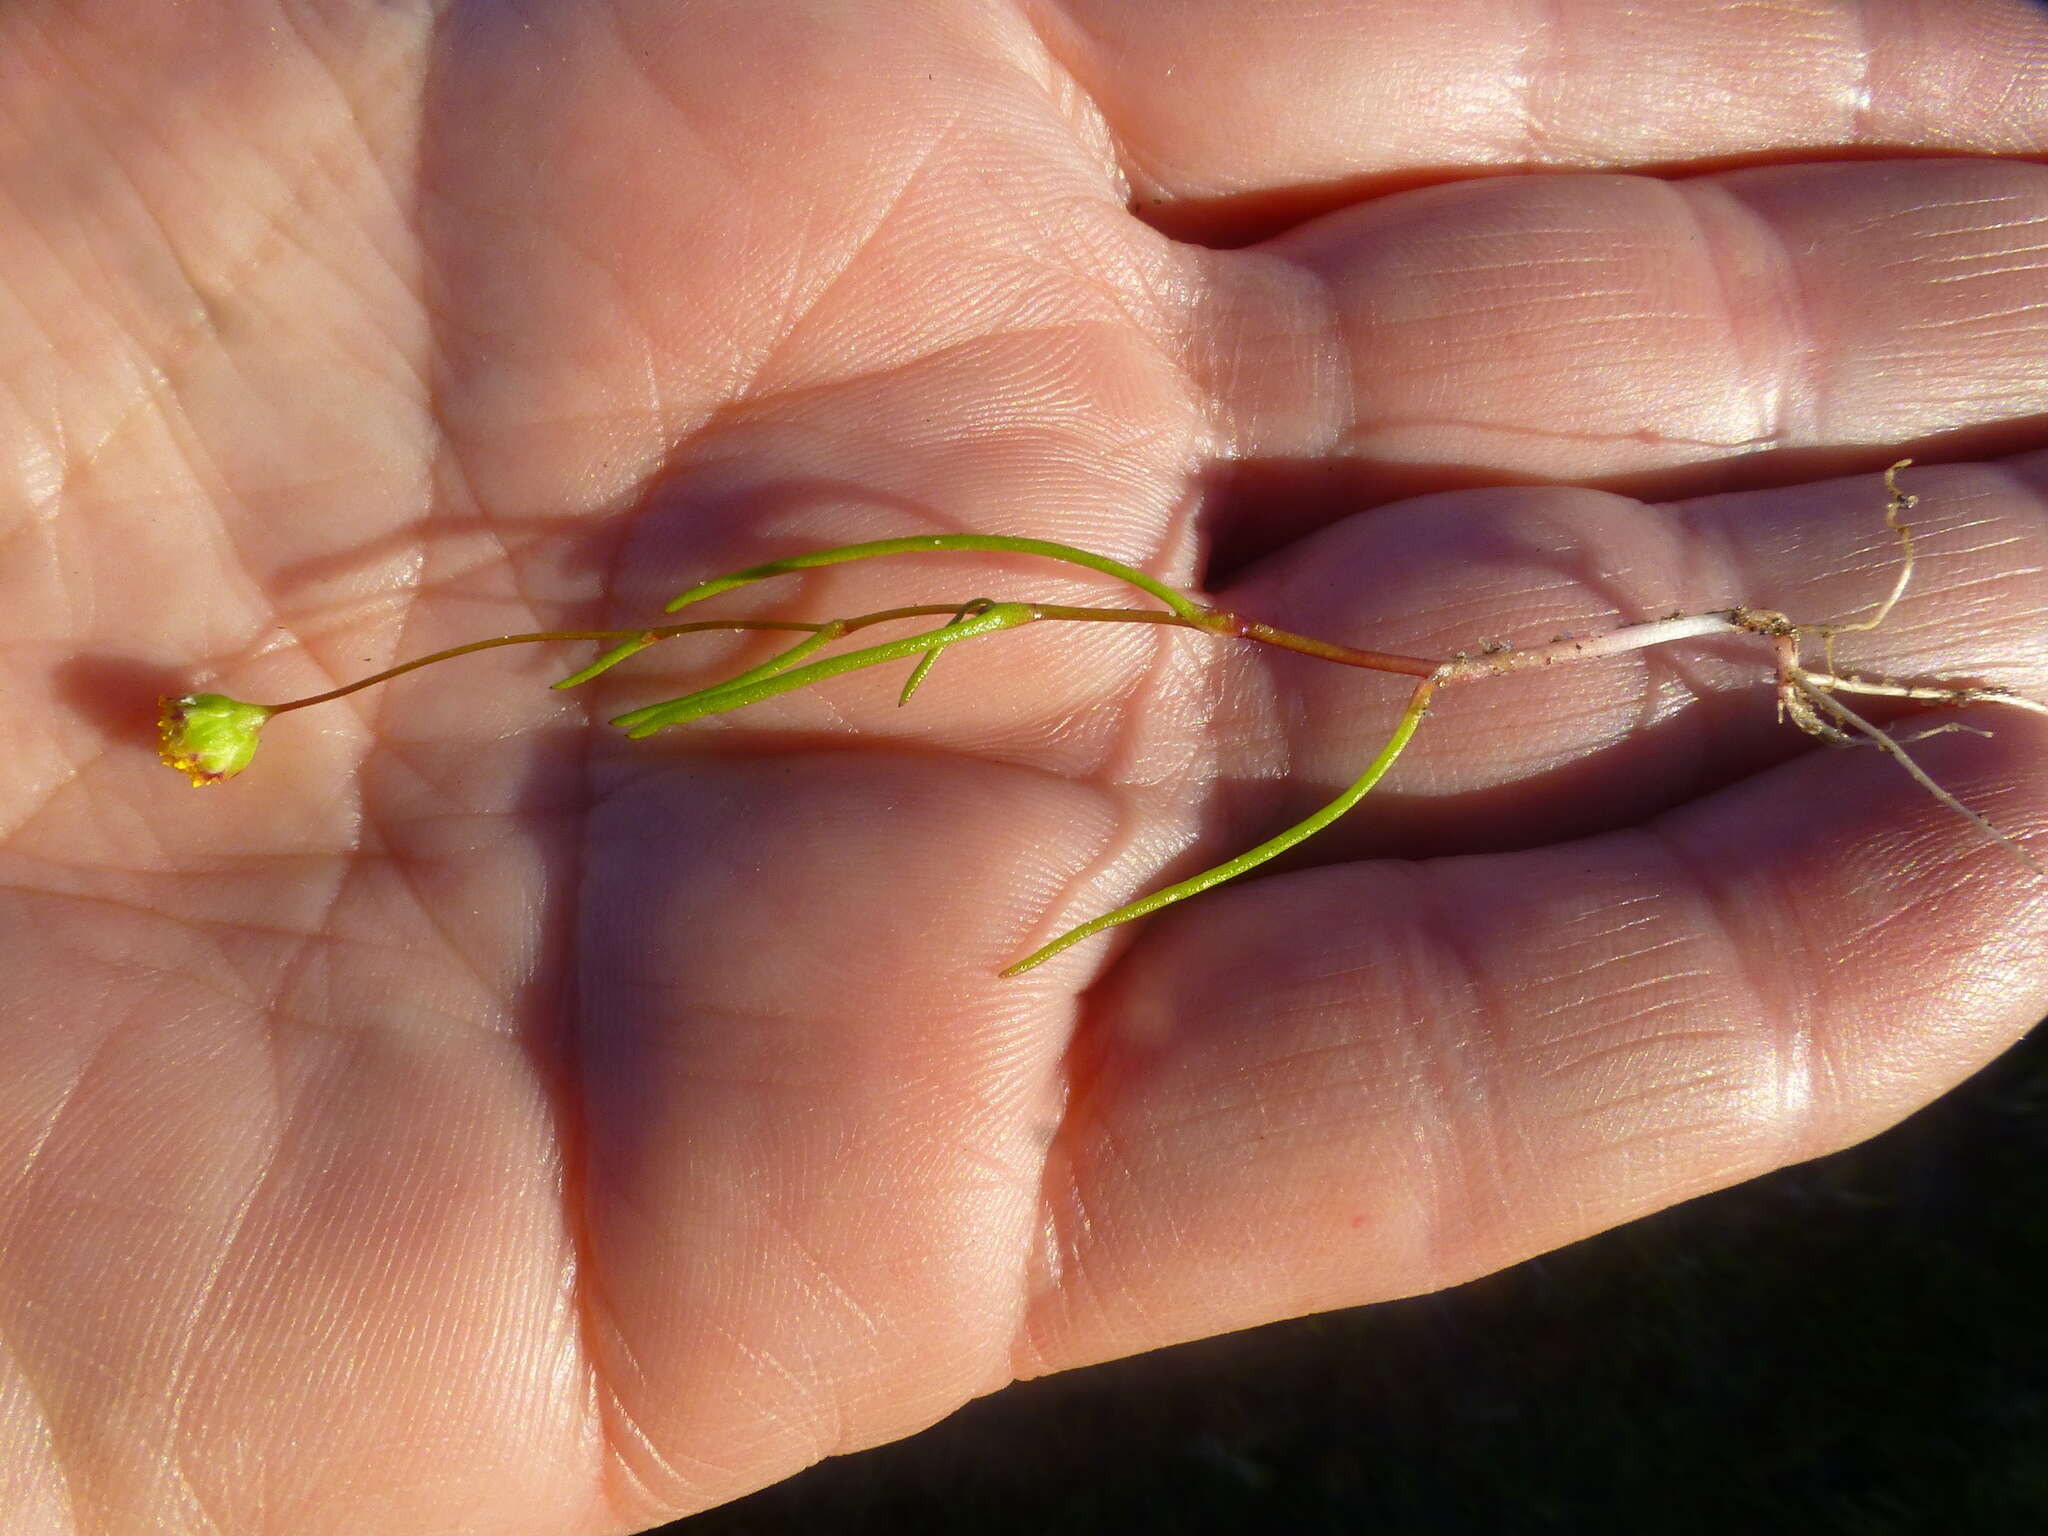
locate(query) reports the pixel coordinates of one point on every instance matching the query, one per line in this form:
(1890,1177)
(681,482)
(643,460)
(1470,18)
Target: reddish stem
(657,631)
(1327,650)
(1214,622)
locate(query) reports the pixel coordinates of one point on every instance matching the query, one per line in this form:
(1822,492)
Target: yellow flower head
(209,736)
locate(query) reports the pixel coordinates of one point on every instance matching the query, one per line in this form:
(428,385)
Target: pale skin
(475,1121)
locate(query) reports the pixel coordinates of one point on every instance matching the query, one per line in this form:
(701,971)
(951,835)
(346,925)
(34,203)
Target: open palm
(473,1121)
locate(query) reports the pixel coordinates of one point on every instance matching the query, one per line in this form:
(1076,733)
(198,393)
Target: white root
(1807,696)
(1886,742)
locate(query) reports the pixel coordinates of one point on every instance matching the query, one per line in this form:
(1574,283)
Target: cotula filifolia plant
(212,737)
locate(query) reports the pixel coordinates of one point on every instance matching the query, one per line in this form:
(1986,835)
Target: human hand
(472,1120)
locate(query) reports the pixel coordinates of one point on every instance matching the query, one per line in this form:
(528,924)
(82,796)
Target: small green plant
(211,737)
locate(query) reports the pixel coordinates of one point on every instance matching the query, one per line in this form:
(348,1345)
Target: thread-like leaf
(928,543)
(1271,848)
(753,687)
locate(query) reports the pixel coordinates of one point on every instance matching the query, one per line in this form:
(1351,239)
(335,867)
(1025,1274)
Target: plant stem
(1327,650)
(1617,642)
(639,637)
(968,620)
(537,637)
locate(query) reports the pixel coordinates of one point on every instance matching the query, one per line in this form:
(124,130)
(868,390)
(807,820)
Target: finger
(815,1117)
(1654,336)
(1231,120)
(1365,1082)
(897,252)
(1572,750)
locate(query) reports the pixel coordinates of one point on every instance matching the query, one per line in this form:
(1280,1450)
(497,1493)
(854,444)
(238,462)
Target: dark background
(1857,1345)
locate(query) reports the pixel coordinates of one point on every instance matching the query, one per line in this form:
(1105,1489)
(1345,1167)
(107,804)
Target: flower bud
(209,736)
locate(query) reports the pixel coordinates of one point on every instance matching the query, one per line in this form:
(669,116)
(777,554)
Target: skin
(472,1121)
